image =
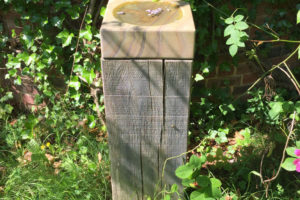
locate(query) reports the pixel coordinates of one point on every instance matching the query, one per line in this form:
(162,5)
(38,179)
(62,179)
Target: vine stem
(272,69)
(279,40)
(184,153)
(291,73)
(173,157)
(291,79)
(283,154)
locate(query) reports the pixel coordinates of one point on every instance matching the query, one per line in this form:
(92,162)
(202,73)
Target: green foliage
(60,150)
(63,59)
(203,186)
(288,163)
(236,30)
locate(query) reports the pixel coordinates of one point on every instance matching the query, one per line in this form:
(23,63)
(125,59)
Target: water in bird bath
(147,13)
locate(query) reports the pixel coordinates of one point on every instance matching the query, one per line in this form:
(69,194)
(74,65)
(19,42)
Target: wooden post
(147,91)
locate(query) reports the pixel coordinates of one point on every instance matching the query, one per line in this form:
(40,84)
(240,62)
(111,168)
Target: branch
(272,69)
(291,79)
(292,75)
(279,40)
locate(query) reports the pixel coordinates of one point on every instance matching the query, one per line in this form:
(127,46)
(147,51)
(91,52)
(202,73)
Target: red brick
(238,90)
(212,74)
(231,81)
(213,83)
(223,73)
(245,68)
(250,78)
(223,82)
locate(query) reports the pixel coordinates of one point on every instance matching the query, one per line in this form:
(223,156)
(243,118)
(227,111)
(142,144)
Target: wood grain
(133,92)
(147,108)
(173,40)
(176,111)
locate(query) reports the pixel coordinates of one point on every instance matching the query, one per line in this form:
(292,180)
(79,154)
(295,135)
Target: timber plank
(177,98)
(133,92)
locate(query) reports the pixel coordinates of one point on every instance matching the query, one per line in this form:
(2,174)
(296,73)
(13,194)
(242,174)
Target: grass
(73,166)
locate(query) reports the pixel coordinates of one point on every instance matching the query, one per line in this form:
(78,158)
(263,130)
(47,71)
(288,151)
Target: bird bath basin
(148,13)
(147,29)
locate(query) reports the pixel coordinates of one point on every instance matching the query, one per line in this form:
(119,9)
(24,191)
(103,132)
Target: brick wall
(239,78)
(236,78)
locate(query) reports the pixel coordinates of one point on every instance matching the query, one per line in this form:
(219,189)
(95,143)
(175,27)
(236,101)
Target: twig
(261,165)
(291,73)
(291,79)
(76,49)
(273,68)
(279,40)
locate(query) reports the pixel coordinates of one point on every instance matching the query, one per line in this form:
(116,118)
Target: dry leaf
(228,198)
(27,156)
(49,157)
(99,157)
(13,122)
(56,164)
(56,171)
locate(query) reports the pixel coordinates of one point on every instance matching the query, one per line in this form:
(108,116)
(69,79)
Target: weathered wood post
(147,50)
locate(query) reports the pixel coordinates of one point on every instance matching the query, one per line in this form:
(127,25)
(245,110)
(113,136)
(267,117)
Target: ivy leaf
(199,77)
(66,37)
(86,33)
(233,50)
(28,40)
(74,83)
(91,121)
(18,81)
(89,75)
(57,22)
(102,11)
(241,26)
(288,164)
(298,17)
(74,12)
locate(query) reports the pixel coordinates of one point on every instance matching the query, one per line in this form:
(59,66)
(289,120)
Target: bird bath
(148,13)
(146,29)
(147,50)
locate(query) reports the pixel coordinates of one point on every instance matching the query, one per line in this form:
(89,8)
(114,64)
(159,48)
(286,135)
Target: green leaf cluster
(204,187)
(236,31)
